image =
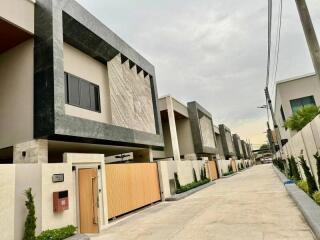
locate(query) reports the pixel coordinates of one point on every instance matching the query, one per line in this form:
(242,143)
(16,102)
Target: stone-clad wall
(131,98)
(207,132)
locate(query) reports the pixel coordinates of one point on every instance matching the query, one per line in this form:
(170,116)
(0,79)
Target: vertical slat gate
(213,170)
(131,186)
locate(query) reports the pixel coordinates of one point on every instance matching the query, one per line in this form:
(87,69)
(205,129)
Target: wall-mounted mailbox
(60,201)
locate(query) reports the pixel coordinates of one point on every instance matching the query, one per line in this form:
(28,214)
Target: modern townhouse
(245,149)
(71,94)
(237,146)
(220,154)
(190,144)
(291,94)
(227,142)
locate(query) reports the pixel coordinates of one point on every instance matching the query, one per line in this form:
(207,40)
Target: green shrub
(30,223)
(312,186)
(227,174)
(316,197)
(194,175)
(294,169)
(201,174)
(317,157)
(57,234)
(176,179)
(303,185)
(191,186)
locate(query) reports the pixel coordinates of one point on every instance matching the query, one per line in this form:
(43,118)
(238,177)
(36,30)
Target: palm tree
(302,117)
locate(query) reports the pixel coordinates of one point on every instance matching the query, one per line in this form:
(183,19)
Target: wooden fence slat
(131,186)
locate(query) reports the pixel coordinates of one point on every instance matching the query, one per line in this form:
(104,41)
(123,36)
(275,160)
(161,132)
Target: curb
(78,237)
(180,196)
(309,209)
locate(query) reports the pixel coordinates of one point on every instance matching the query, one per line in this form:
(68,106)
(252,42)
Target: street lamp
(263,106)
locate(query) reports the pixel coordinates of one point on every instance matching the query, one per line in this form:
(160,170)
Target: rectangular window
(81,93)
(301,102)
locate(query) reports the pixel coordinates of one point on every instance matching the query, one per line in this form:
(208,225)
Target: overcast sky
(213,52)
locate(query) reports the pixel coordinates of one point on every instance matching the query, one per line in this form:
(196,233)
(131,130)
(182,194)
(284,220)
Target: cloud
(213,52)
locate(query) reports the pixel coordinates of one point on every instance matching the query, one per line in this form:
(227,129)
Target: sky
(213,52)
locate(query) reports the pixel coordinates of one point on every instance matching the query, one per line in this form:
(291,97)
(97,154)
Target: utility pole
(270,139)
(275,125)
(310,34)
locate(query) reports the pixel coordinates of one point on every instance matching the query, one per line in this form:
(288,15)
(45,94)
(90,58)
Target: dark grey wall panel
(59,19)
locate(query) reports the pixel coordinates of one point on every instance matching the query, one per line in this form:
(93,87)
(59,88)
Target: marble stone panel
(207,132)
(131,98)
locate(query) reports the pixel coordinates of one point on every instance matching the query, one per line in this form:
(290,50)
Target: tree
(302,117)
(30,223)
(312,186)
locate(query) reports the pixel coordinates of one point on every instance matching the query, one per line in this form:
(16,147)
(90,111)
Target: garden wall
(305,142)
(184,170)
(15,179)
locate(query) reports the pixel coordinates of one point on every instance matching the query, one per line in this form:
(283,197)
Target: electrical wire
(277,48)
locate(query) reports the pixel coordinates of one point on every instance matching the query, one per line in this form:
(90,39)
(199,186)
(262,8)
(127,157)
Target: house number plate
(58,178)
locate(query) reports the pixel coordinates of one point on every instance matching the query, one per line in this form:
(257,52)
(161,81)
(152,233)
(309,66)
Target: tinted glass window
(301,102)
(81,93)
(85,94)
(73,90)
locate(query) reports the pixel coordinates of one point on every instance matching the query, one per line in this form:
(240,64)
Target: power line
(277,48)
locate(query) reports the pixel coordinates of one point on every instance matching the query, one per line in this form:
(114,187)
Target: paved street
(250,205)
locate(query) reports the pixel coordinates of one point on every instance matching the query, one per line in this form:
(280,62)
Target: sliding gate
(131,186)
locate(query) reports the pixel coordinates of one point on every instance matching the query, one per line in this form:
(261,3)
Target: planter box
(179,196)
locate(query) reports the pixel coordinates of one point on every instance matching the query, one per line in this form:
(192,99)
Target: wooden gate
(131,186)
(213,171)
(88,198)
(234,165)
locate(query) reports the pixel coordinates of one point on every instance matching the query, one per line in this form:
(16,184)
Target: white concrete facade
(294,88)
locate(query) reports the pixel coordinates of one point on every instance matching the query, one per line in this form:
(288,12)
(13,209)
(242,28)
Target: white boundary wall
(306,142)
(168,167)
(15,179)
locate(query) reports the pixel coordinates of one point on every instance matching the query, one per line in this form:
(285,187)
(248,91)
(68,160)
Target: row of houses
(82,125)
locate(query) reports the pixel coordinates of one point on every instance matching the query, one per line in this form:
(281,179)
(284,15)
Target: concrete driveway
(250,205)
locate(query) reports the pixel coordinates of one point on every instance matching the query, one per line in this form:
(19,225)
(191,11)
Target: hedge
(191,186)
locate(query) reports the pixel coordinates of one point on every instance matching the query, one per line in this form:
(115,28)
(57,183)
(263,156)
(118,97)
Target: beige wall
(19,12)
(27,175)
(51,220)
(84,66)
(293,89)
(7,199)
(184,136)
(167,139)
(168,167)
(36,152)
(16,94)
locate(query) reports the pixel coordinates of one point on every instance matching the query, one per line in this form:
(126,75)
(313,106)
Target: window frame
(95,87)
(300,100)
